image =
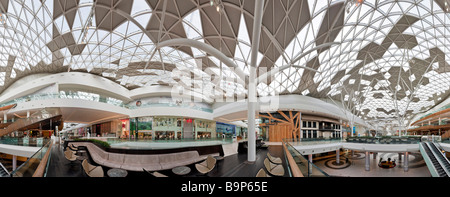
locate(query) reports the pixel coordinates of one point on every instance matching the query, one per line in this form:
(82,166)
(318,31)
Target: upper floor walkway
(395,145)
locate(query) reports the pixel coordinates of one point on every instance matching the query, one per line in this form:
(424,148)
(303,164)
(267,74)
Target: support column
(14,162)
(251,99)
(399,157)
(337,156)
(5,118)
(28,114)
(310,158)
(251,142)
(367,161)
(406,162)
(351,129)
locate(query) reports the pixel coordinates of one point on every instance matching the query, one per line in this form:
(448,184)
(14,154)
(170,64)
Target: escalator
(3,171)
(32,122)
(438,165)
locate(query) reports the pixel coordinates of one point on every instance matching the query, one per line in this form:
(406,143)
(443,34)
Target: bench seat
(136,162)
(139,162)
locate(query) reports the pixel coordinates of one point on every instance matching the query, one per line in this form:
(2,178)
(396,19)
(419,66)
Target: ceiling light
(2,19)
(357,2)
(350,3)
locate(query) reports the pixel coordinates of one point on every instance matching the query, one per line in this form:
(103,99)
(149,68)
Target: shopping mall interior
(224,88)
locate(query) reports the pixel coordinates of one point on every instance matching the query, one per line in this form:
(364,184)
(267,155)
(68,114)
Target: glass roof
(391,58)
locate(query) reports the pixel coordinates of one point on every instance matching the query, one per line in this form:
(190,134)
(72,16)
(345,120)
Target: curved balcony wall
(72,80)
(300,103)
(108,90)
(104,103)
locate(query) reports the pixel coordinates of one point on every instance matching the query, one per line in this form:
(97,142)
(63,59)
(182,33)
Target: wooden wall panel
(286,126)
(278,132)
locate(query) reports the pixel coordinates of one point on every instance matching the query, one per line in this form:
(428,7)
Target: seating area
(275,160)
(207,165)
(262,173)
(70,155)
(234,165)
(273,166)
(91,170)
(137,162)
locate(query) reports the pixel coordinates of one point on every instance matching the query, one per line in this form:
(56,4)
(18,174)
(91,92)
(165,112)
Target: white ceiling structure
(389,58)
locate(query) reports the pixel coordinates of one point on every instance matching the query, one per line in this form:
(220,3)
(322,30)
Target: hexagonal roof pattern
(389,58)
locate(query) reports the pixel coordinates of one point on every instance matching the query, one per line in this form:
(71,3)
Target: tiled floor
(417,166)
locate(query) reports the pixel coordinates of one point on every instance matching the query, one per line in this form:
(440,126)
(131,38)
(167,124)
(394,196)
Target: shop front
(145,128)
(170,128)
(225,130)
(241,132)
(113,128)
(205,129)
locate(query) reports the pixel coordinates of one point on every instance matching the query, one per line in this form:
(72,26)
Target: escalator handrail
(440,158)
(3,167)
(428,156)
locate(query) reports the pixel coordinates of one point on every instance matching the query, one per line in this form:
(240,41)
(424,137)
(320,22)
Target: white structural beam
(274,71)
(257,23)
(208,49)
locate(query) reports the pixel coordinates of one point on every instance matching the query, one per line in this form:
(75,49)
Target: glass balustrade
(25,141)
(385,140)
(28,168)
(307,168)
(308,142)
(165,144)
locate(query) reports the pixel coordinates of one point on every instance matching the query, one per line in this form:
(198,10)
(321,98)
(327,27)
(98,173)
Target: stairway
(35,118)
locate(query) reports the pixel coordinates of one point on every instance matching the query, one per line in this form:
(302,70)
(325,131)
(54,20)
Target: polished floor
(233,165)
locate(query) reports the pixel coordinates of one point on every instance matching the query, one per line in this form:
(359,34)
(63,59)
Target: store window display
(205,129)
